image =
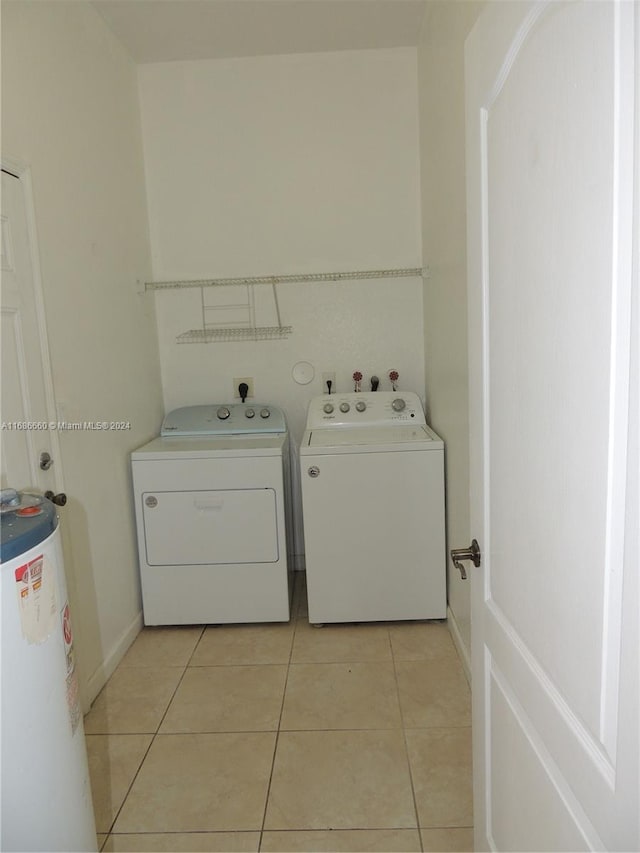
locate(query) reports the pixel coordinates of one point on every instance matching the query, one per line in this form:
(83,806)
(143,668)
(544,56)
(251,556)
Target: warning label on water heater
(36,590)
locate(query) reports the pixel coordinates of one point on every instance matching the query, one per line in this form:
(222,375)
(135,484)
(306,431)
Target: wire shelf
(222,333)
(256,333)
(286,279)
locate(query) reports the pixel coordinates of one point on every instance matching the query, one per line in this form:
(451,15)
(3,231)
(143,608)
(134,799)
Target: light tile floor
(284,737)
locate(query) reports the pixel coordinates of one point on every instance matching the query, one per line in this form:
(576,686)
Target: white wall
(70,113)
(442,155)
(280,165)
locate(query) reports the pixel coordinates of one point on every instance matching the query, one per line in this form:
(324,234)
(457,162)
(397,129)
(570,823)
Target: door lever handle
(472,553)
(59,499)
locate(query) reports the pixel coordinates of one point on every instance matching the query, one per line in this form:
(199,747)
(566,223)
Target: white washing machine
(212,514)
(373,507)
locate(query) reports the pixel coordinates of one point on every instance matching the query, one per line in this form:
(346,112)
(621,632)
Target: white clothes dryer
(373,509)
(212,515)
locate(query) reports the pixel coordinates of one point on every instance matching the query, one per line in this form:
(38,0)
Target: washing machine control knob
(361,406)
(265,413)
(327,408)
(223,413)
(250,413)
(344,407)
(398,404)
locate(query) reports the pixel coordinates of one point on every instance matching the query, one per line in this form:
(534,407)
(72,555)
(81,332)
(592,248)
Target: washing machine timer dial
(398,405)
(223,413)
(344,407)
(327,408)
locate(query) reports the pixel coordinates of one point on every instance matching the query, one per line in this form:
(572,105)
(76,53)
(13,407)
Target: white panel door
(25,409)
(551,96)
(27,405)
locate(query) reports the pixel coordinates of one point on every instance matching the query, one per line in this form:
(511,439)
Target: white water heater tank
(46,793)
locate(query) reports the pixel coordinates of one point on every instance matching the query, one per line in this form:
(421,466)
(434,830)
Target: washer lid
(359,439)
(224,419)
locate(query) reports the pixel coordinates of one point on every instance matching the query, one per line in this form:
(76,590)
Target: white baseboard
(463,651)
(100,677)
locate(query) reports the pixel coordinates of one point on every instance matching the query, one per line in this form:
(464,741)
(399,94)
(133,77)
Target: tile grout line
(294,619)
(151,742)
(406,746)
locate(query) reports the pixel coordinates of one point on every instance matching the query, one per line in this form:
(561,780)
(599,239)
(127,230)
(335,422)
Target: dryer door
(227,526)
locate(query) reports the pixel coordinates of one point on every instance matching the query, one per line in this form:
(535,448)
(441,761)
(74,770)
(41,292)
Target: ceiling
(170,30)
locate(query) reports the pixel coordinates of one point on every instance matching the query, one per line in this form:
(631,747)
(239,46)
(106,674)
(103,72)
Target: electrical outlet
(329,377)
(236,386)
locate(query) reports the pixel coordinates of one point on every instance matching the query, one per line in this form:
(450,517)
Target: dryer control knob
(398,404)
(361,406)
(327,408)
(265,413)
(344,407)
(223,413)
(249,413)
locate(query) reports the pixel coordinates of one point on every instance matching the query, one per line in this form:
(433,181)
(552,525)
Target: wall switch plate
(236,385)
